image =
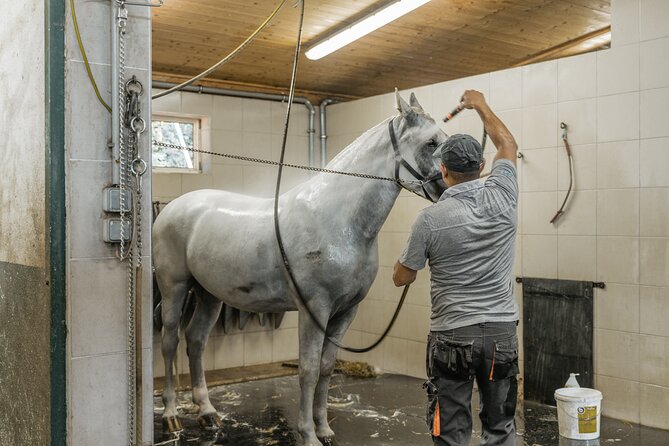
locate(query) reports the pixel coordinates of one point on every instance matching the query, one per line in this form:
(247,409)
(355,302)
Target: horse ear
(414,103)
(402,106)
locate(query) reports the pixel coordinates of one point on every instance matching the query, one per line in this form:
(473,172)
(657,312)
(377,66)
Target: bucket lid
(576,394)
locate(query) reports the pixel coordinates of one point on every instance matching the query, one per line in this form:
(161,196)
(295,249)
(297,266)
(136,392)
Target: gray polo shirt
(468,237)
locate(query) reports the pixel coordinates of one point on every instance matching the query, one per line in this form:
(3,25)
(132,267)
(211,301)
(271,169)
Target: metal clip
(563,126)
(122,15)
(149,5)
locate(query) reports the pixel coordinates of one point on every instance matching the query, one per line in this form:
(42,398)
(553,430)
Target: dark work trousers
(487,352)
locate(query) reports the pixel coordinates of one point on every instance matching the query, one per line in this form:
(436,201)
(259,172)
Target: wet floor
(384,411)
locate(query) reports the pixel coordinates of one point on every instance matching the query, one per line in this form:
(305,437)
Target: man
(468,237)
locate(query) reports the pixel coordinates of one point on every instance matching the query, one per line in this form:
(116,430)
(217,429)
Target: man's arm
(499,134)
(403,275)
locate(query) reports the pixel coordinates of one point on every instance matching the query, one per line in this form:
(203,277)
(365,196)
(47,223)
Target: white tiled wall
(252,128)
(96,295)
(615,229)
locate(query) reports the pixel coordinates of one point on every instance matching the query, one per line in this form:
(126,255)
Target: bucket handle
(581,419)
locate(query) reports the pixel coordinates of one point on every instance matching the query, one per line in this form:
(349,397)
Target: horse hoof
(172,424)
(328,441)
(210,422)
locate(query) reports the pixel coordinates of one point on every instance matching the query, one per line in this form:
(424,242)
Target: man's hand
(403,275)
(499,134)
(473,99)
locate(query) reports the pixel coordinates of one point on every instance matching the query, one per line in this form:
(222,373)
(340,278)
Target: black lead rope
(277,228)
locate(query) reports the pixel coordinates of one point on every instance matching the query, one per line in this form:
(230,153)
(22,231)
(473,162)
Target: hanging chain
(132,167)
(122,19)
(294,166)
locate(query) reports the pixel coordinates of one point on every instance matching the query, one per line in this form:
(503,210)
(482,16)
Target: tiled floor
(385,411)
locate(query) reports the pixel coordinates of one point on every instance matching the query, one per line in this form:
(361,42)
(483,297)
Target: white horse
(224,244)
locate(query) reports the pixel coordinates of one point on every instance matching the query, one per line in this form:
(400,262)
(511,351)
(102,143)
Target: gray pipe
(311,131)
(324,136)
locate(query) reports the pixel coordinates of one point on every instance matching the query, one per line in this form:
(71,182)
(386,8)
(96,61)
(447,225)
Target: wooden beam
(548,53)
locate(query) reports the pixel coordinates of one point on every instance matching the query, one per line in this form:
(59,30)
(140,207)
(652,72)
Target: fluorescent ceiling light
(363,27)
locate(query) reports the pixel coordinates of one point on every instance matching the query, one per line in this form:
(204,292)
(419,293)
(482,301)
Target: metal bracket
(149,5)
(601,285)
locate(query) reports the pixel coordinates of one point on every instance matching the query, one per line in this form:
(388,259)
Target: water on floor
(384,411)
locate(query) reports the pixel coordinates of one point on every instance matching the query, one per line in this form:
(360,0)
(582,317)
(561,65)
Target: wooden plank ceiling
(443,40)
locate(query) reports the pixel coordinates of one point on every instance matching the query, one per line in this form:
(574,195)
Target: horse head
(415,136)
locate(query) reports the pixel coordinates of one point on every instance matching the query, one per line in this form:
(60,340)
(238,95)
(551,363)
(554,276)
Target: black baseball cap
(460,153)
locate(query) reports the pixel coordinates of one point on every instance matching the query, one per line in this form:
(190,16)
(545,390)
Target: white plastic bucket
(579,410)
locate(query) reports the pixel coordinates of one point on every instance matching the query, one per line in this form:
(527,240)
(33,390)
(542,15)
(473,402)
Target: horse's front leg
(311,345)
(336,328)
(206,313)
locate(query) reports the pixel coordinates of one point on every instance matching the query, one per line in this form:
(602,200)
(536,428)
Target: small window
(180,131)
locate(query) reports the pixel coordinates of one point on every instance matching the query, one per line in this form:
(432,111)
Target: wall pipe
(324,137)
(311,131)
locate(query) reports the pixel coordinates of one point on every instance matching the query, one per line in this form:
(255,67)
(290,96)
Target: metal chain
(294,166)
(122,18)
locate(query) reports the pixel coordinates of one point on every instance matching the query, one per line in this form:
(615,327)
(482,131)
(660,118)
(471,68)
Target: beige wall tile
(256,116)
(577,257)
(170,103)
(654,255)
(540,170)
(618,70)
(228,350)
(654,208)
(577,77)
(617,307)
(166,185)
(285,345)
(621,398)
(540,83)
(618,212)
(654,113)
(506,89)
(229,178)
(418,322)
(612,125)
(196,181)
(653,19)
(618,164)
(654,310)
(258,347)
(198,104)
(624,22)
(618,259)
(540,256)
(227,113)
(654,162)
(654,63)
(395,355)
(654,360)
(391,245)
(654,406)
(617,354)
(537,210)
(539,124)
(580,215)
(580,118)
(416,352)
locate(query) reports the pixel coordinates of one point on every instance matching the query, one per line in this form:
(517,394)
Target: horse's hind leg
(206,313)
(173,294)
(336,328)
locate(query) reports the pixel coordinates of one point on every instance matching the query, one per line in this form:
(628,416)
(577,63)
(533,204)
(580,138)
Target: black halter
(399,161)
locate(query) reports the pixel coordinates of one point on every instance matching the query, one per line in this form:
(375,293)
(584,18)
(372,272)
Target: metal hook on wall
(149,5)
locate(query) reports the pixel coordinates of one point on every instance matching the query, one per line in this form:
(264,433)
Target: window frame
(197,140)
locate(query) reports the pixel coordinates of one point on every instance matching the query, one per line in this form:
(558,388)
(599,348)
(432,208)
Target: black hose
(277,229)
